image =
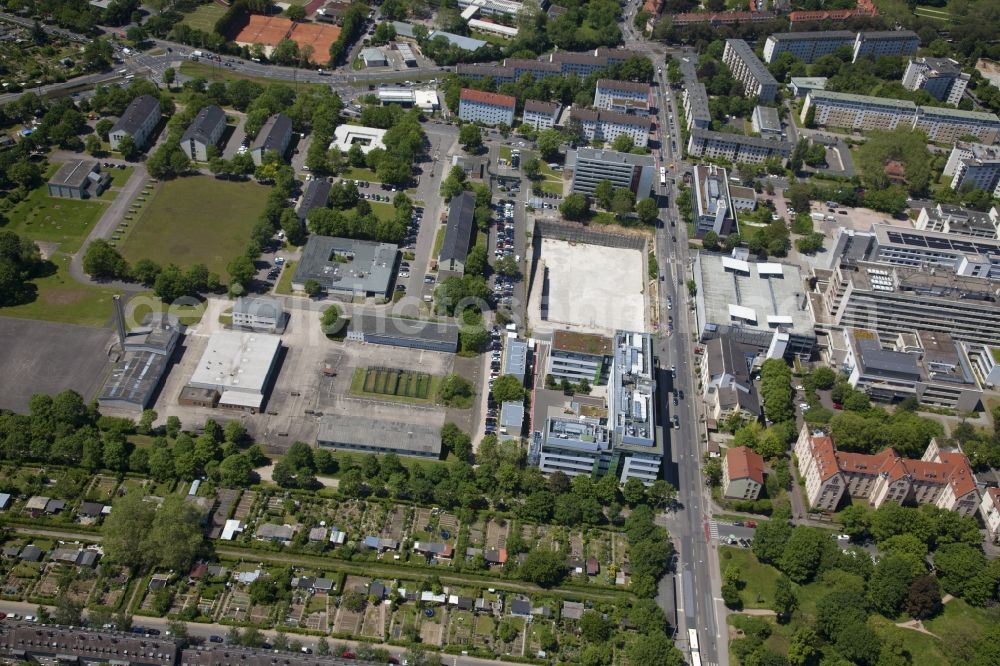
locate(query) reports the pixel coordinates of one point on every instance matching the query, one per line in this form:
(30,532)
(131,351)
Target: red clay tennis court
(320,37)
(264,30)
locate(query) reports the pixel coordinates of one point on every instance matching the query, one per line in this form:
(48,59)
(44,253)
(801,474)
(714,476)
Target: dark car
(215,639)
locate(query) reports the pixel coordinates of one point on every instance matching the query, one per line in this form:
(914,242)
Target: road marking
(713,530)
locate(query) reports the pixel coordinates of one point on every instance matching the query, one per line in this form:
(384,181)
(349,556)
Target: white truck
(196,54)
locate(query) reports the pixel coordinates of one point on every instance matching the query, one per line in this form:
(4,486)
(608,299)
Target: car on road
(215,639)
(677,422)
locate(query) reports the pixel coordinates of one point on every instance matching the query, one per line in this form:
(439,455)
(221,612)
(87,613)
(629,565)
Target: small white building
(367,138)
(262,314)
(231,529)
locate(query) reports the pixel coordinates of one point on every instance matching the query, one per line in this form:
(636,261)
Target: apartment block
(807,46)
(989,509)
(885,43)
(476,106)
(540,115)
(575,356)
(725,374)
(742,474)
(694,97)
(713,208)
(559,63)
(736,147)
(958,221)
(749,70)
(941,77)
(607,126)
(138,121)
(946,125)
(626,97)
(927,365)
(941,477)
(590,166)
(849,111)
(975,164)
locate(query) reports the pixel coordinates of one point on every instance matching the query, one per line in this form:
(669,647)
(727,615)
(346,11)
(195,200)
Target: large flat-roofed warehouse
(234,372)
(354,433)
(347,267)
(411,333)
(146,354)
(762,299)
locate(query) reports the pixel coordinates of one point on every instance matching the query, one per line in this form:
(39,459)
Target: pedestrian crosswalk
(713,530)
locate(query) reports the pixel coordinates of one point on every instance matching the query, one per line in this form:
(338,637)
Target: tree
(175,537)
(824,377)
(889,584)
(312,288)
(68,612)
(801,555)
(634,493)
(532,168)
(548,143)
(575,207)
(125,529)
(169,75)
(785,600)
(594,628)
(802,648)
(647,210)
(653,649)
(471,138)
(103,128)
(128,149)
(604,193)
(623,202)
(661,494)
(102,261)
(241,271)
(770,539)
(236,471)
(476,262)
(330,320)
(457,441)
(710,241)
(93,144)
(543,567)
(508,388)
(923,599)
(623,143)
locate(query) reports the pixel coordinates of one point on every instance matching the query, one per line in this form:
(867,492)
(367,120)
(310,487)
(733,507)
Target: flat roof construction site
(589,288)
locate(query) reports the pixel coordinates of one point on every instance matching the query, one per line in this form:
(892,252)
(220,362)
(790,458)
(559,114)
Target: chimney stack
(120,320)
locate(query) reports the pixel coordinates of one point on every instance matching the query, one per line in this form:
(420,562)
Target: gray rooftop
(369,266)
(462,42)
(605,116)
(537,106)
(768,118)
(315,195)
(516,359)
(262,306)
(340,429)
(512,415)
(134,378)
(73,173)
(136,114)
(376,323)
(867,100)
(205,124)
(783,147)
(889,34)
(876,360)
(625,86)
(940,65)
(820,35)
(753,63)
(959,114)
(372,53)
(271,135)
(631,399)
(614,157)
(461,227)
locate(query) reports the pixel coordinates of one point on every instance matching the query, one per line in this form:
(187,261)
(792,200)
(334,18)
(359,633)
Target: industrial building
(590,166)
(373,56)
(576,356)
(628,97)
(975,164)
(425,100)
(234,372)
(941,77)
(315,194)
(941,477)
(736,147)
(878,43)
(263,313)
(347,268)
(275,136)
(624,443)
(366,138)
(949,219)
(517,355)
(138,122)
(713,208)
(540,115)
(926,365)
(765,302)
(459,234)
(376,328)
(607,126)
(765,121)
(205,130)
(742,474)
(79,179)
(369,435)
(145,356)
(807,46)
(749,70)
(476,106)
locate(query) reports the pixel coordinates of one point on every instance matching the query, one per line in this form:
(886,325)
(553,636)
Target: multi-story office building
(476,106)
(590,166)
(985,362)
(946,125)
(626,97)
(941,77)
(899,299)
(736,147)
(958,221)
(765,121)
(921,248)
(695,97)
(608,125)
(849,111)
(885,43)
(540,115)
(975,164)
(575,356)
(713,208)
(749,70)
(941,477)
(928,366)
(625,442)
(807,46)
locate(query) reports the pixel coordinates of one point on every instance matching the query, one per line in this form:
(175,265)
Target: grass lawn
(925,650)
(284,285)
(55,220)
(759,579)
(357,173)
(383,211)
(438,241)
(213,73)
(505,152)
(551,187)
(189,315)
(204,17)
(196,220)
(958,614)
(358,388)
(60,298)
(120,176)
